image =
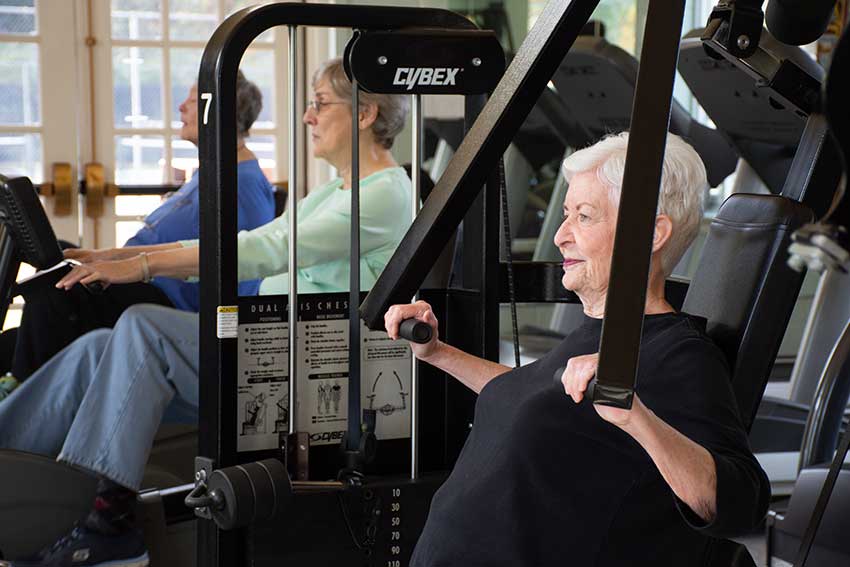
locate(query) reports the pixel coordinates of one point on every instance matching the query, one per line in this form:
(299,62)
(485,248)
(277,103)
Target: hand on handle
(407,321)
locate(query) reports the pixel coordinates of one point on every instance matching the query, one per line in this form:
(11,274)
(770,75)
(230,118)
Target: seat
(746,291)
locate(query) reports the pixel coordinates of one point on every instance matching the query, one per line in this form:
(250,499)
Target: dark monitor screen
(22,213)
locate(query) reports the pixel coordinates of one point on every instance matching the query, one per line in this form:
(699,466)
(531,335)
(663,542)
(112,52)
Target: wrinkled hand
(579,372)
(119,272)
(419,310)
(86,256)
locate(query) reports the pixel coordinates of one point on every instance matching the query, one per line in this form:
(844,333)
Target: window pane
(125,230)
(19,84)
(231,6)
(184,159)
(139,160)
(192,19)
(184,73)
(20,155)
(136,205)
(136,19)
(258,67)
(263,148)
(137,87)
(17,16)
(620,19)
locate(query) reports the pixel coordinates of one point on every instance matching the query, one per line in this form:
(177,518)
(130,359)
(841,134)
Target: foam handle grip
(415,331)
(591,386)
(798,22)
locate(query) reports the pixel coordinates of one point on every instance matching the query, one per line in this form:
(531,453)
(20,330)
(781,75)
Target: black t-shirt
(543,481)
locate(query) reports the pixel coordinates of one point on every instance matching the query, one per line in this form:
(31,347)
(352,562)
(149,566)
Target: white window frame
(60,96)
(107,130)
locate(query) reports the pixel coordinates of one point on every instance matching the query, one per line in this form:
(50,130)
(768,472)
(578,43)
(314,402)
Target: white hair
(683,184)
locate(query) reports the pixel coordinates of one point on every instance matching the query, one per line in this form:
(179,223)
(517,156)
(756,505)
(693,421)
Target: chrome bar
(293,227)
(414,374)
(820,402)
(354,393)
(799,392)
(308,486)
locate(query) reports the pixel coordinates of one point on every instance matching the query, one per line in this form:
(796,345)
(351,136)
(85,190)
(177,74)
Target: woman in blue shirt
(102,399)
(53,318)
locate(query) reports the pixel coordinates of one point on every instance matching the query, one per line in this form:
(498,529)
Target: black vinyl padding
(22,212)
(745,289)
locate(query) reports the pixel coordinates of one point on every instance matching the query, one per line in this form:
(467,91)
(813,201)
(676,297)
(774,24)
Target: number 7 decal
(207,97)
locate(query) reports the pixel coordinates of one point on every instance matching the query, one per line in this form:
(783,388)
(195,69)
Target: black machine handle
(415,331)
(601,394)
(591,386)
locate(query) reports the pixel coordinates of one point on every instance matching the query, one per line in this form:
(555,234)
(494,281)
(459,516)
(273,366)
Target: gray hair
(249,103)
(683,184)
(392,109)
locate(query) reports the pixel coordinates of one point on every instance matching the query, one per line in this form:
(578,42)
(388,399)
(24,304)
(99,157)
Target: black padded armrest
(22,212)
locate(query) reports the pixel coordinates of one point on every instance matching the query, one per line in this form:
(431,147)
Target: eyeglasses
(318,105)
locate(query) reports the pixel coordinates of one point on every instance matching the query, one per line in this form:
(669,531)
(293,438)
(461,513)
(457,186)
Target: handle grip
(591,386)
(415,331)
(95,288)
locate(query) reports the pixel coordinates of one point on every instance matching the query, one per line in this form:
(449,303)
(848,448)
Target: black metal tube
(218,227)
(291,210)
(626,299)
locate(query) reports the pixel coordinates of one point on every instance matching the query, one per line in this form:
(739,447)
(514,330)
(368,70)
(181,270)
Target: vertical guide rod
(414,373)
(293,227)
(353,437)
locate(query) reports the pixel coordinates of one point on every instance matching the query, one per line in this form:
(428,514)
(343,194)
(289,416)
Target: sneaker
(87,548)
(8,383)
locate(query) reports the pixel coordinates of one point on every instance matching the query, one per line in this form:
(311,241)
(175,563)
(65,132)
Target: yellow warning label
(227,321)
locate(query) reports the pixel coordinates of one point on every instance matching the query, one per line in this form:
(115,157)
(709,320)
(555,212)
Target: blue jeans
(98,403)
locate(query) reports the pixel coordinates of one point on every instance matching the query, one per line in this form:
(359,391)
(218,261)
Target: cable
(503,190)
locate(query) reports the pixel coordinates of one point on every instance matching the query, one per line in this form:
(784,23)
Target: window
(20,93)
(154,62)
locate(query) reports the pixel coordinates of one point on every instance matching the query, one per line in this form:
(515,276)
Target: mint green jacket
(324,236)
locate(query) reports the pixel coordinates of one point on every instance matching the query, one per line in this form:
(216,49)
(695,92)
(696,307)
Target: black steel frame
(454,195)
(218,223)
(626,299)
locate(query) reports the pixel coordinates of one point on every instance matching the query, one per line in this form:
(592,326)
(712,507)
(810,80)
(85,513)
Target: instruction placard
(322,365)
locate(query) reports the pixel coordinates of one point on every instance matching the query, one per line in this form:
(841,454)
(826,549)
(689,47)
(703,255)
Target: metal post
(814,447)
(414,369)
(353,437)
(293,227)
(625,301)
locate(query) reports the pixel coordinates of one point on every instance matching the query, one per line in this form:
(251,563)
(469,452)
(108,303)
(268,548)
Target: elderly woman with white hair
(552,479)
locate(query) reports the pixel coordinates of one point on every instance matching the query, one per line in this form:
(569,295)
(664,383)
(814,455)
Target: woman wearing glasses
(100,401)
(323,216)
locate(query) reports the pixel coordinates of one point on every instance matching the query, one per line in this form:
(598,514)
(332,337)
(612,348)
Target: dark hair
(249,103)
(392,109)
